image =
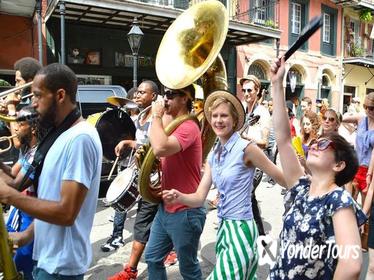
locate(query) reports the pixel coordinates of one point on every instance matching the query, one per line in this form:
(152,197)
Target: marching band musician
(19,223)
(26,68)
(258,133)
(67,168)
(181,159)
(146,93)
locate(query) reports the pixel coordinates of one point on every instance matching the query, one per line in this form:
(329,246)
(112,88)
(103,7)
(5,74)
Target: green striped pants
(236,251)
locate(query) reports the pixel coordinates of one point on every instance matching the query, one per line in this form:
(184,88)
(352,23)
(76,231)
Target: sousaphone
(189,51)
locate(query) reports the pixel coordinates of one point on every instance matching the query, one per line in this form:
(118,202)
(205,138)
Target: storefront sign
(126,60)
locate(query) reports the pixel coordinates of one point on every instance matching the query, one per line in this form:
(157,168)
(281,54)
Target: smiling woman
(230,167)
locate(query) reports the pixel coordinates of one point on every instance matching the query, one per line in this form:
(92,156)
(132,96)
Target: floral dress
(307,242)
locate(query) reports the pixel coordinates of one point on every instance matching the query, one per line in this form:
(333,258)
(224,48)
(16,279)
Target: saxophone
(7,265)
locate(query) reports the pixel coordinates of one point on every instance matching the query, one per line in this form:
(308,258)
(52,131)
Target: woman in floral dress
(320,237)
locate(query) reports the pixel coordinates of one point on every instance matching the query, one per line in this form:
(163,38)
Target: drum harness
(44,146)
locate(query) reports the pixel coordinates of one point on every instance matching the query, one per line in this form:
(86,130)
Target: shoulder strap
(44,146)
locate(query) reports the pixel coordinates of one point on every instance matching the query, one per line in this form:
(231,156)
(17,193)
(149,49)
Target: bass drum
(113,126)
(123,191)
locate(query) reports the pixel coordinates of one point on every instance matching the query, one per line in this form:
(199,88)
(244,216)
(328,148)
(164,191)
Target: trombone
(9,139)
(15,89)
(6,93)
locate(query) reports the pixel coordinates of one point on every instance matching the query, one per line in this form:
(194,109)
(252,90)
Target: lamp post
(134,37)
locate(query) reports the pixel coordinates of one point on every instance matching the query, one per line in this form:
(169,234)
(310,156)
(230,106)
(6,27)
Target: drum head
(114,126)
(120,184)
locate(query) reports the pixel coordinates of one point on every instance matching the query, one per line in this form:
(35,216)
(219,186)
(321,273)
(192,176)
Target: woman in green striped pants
(230,166)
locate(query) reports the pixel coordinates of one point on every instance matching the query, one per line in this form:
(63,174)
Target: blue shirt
(232,178)
(76,155)
(364,142)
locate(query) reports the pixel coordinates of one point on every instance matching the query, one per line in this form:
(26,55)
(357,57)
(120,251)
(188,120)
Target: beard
(47,120)
(25,139)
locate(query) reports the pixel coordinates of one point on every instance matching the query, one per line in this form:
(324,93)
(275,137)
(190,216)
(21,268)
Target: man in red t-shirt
(181,159)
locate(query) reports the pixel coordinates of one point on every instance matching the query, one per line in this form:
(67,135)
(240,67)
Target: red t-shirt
(182,171)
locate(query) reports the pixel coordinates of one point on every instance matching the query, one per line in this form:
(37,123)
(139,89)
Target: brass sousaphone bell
(189,51)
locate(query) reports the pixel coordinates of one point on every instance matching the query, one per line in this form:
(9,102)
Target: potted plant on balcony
(270,23)
(356,50)
(366,15)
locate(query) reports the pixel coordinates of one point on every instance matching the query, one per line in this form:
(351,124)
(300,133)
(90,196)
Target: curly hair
(314,120)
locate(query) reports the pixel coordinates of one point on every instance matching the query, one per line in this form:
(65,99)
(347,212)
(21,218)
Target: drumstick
(114,165)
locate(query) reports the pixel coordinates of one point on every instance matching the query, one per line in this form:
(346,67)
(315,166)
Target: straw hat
(232,99)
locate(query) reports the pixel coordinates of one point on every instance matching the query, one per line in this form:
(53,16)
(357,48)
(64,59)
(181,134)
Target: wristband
(156,116)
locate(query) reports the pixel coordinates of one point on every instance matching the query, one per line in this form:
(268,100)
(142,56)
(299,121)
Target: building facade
(358,52)
(315,69)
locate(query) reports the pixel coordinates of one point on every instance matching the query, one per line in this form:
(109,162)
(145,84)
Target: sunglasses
(249,90)
(356,102)
(170,94)
(369,108)
(331,119)
(321,145)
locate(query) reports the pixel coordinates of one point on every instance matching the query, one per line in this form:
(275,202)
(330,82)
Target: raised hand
(277,70)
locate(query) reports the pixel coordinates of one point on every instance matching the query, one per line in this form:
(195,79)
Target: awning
(152,18)
(17,7)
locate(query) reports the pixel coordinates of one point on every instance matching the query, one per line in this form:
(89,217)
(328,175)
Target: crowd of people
(325,167)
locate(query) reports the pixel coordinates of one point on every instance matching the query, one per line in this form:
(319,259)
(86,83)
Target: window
(326,28)
(295,18)
(298,18)
(257,70)
(260,15)
(262,11)
(329,30)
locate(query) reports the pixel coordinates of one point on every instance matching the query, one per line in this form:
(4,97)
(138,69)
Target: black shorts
(143,221)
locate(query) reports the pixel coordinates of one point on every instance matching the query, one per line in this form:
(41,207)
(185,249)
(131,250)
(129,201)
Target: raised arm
(292,169)
(163,145)
(353,118)
(253,155)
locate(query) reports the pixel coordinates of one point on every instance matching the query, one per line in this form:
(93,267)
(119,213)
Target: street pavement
(106,264)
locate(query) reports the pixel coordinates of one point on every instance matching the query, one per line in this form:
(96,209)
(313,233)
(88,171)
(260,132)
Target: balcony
(358,4)
(359,53)
(248,21)
(265,15)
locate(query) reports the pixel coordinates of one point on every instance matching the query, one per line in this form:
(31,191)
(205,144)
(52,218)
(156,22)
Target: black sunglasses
(171,94)
(249,90)
(331,119)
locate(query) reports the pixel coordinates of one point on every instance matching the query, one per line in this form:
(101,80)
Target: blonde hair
(370,97)
(221,100)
